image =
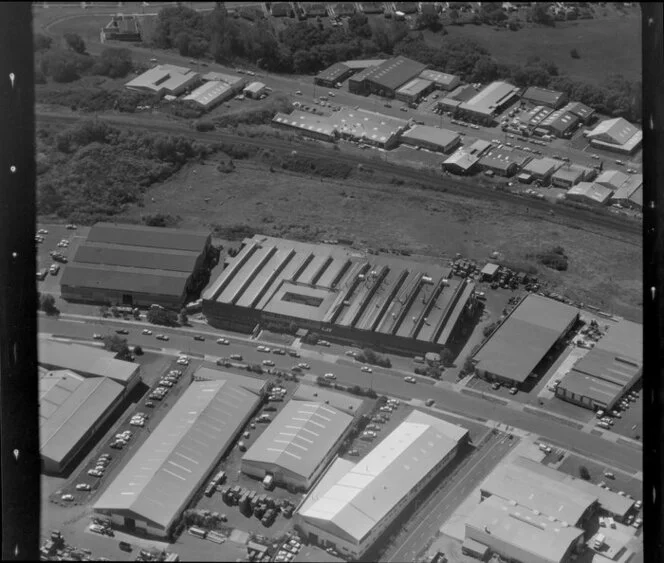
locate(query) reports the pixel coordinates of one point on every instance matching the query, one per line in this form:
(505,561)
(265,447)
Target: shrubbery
(368,356)
(556,259)
(161,220)
(233,232)
(162,317)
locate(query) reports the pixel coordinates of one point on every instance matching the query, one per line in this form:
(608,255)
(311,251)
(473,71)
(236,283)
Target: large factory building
(387,302)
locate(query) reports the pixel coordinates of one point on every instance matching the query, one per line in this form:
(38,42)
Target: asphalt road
(441,507)
(382,380)
(579,218)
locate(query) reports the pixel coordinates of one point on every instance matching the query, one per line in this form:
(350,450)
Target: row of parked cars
(165,384)
(607,419)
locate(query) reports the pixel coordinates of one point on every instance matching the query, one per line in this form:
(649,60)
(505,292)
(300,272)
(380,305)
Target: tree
(358,25)
(138,350)
(183,319)
(540,14)
(47,304)
(114,63)
(42,42)
(574,54)
(429,21)
(75,42)
(117,344)
(453,14)
(446,357)
(162,317)
(584,473)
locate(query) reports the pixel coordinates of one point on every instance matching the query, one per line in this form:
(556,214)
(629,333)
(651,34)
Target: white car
(263,349)
(350,353)
(67,497)
(97,336)
(223,341)
(96,528)
(42,232)
(409,379)
(268,363)
(330,376)
(366,369)
(183,362)
(298,93)
(163,337)
(140,423)
(147,331)
(94,473)
(83,487)
(303,365)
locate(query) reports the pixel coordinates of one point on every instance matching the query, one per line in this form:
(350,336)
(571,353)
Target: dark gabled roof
(154,237)
(543,96)
(136,257)
(121,278)
(333,72)
(395,72)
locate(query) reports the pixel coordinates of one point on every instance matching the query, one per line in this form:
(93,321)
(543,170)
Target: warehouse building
(306,123)
(489,102)
(165,79)
(560,123)
(381,301)
(441,80)
(617,135)
(571,174)
(255,90)
(333,75)
(363,64)
(541,169)
(608,371)
(353,504)
(432,138)
(122,28)
(582,111)
(385,78)
(533,117)
(589,193)
(236,83)
(210,94)
(136,265)
(299,444)
(456,97)
(612,179)
(529,333)
(156,485)
(630,193)
(88,361)
(415,90)
(368,127)
(504,161)
(72,408)
(461,163)
(545,97)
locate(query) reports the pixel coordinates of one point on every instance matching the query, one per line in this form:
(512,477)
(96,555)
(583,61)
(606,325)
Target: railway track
(617,228)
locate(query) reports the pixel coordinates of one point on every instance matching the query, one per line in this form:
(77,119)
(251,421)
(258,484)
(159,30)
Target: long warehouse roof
(524,338)
(300,437)
(136,257)
(69,405)
(153,237)
(373,487)
(157,482)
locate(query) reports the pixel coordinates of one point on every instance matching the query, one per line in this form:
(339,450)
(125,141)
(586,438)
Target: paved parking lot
(56,233)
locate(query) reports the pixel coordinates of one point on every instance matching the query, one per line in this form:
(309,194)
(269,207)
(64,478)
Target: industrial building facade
(523,339)
(298,445)
(431,138)
(386,302)
(333,75)
(386,78)
(489,102)
(156,485)
(353,504)
(135,265)
(165,79)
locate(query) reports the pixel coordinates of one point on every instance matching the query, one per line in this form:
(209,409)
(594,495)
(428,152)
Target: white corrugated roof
(368,491)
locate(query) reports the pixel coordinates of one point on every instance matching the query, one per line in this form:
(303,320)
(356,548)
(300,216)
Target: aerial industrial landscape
(353,281)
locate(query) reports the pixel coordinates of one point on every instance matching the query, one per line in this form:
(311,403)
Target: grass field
(605,45)
(603,271)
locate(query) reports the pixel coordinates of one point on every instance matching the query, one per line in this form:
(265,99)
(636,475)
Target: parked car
(366,369)
(410,379)
(122,331)
(97,336)
(268,363)
(94,473)
(223,341)
(199,338)
(236,357)
(83,487)
(330,376)
(162,337)
(147,331)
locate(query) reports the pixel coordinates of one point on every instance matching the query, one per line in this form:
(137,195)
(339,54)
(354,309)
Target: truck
(268,482)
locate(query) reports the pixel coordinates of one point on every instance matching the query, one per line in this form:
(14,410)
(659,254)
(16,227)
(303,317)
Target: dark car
(124,546)
(122,331)
(199,338)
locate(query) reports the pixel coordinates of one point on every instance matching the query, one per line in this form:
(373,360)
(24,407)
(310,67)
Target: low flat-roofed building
(613,179)
(432,138)
(255,90)
(415,90)
(504,161)
(368,127)
(298,444)
(617,135)
(164,79)
(72,408)
(479,147)
(569,175)
(560,123)
(542,169)
(307,123)
(582,111)
(442,80)
(363,64)
(88,361)
(524,338)
(210,94)
(340,401)
(533,117)
(456,97)
(489,102)
(461,162)
(550,98)
(236,83)
(333,75)
(489,272)
(351,510)
(520,534)
(150,492)
(589,192)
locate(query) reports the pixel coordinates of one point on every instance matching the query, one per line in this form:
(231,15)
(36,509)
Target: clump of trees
(75,43)
(161,220)
(47,304)
(555,258)
(368,356)
(117,344)
(584,473)
(162,317)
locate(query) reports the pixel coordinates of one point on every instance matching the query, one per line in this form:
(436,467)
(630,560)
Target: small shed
(489,272)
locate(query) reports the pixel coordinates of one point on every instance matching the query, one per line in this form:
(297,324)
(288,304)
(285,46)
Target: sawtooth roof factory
(80,388)
(297,446)
(158,482)
(533,328)
(135,265)
(354,503)
(389,302)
